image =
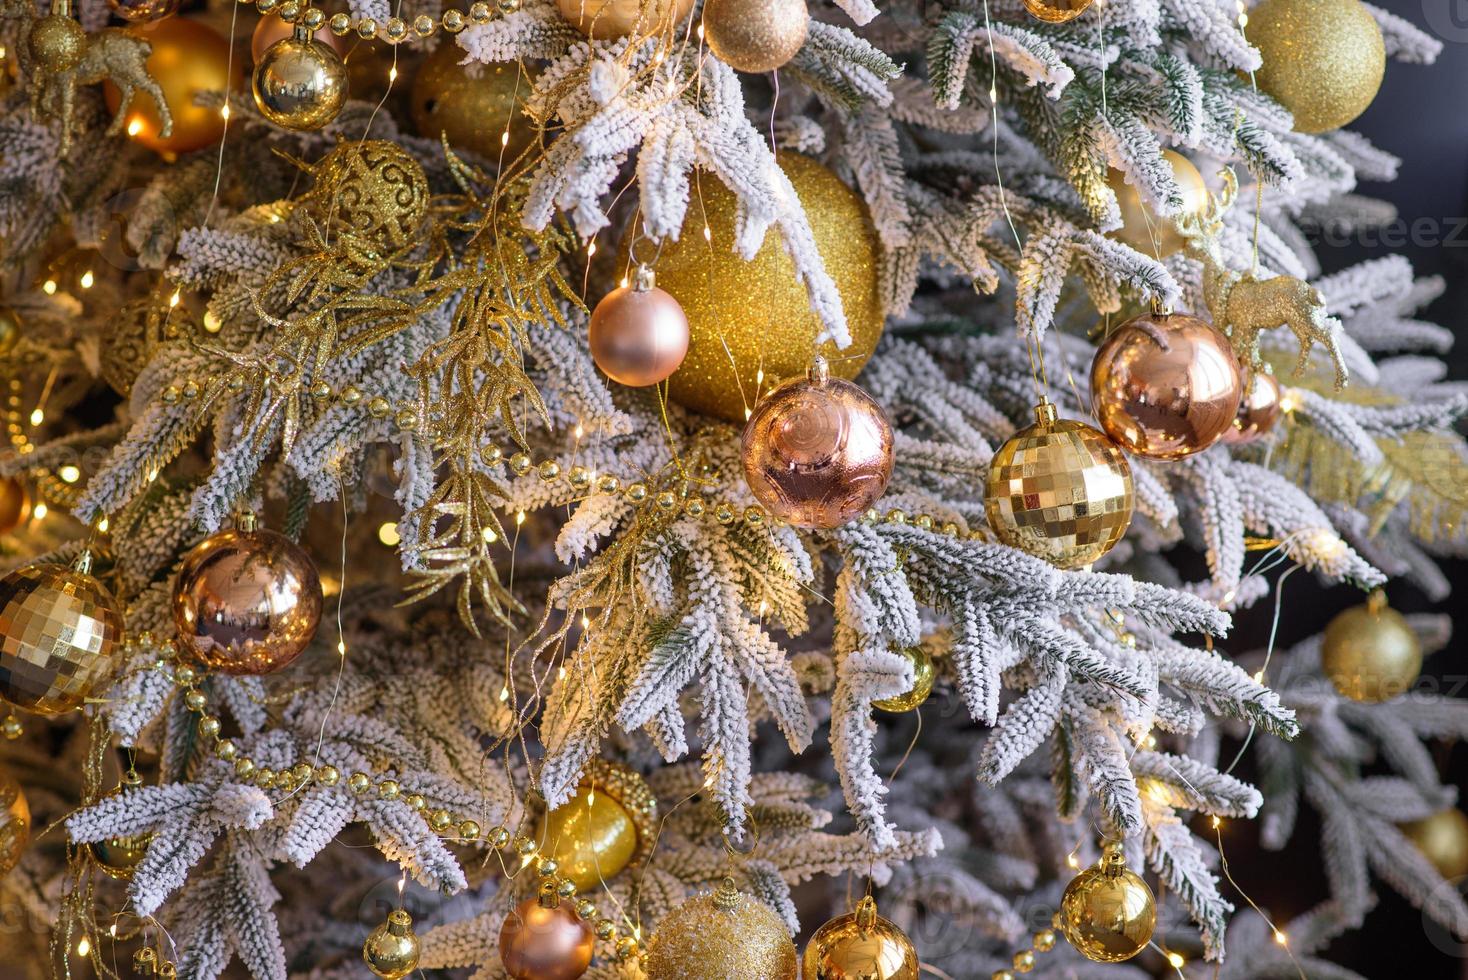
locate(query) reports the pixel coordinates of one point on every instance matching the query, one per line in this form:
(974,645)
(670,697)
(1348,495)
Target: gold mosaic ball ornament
(392,949)
(609,825)
(1370,653)
(1443,839)
(544,939)
(923,674)
(1107,912)
(15,504)
(606,19)
(373,190)
(300,83)
(473,105)
(755,35)
(59,627)
(15,822)
(714,937)
(860,945)
(1141,227)
(246,601)
(638,332)
(188,59)
(1059,490)
(1322,59)
(1057,11)
(750,323)
(1166,386)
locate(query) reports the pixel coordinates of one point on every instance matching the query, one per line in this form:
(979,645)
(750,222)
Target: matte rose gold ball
(1166,387)
(1259,410)
(817,451)
(539,943)
(639,336)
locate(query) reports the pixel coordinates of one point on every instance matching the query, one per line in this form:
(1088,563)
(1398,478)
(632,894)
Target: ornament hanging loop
(1045,411)
(245,521)
(819,372)
(644,278)
(866,913)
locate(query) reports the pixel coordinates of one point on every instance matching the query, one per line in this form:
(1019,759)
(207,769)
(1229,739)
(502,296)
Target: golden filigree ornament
(373,191)
(137,331)
(1243,305)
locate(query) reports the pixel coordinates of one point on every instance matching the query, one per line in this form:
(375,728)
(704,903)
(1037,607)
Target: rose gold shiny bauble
(15,504)
(538,942)
(619,18)
(817,451)
(755,35)
(58,630)
(1443,839)
(188,59)
(639,334)
(246,601)
(1166,387)
(271,29)
(300,83)
(143,10)
(1259,410)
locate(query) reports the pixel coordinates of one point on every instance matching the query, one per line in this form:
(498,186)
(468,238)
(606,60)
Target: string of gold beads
(394,30)
(52,489)
(1042,941)
(441,821)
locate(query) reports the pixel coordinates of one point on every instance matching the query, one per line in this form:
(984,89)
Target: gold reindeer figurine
(1243,306)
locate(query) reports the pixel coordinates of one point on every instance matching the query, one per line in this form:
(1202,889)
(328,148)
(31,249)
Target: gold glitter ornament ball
(59,627)
(744,317)
(300,83)
(755,35)
(15,504)
(860,945)
(608,825)
(373,190)
(923,673)
(57,42)
(1322,59)
(1370,652)
(718,936)
(1057,11)
(1443,839)
(1108,912)
(15,822)
(1059,490)
(392,949)
(473,105)
(1141,227)
(605,19)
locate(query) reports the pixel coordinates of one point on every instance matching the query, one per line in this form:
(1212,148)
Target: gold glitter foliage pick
(1243,306)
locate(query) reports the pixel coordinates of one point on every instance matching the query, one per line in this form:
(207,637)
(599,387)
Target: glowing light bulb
(87,279)
(224,111)
(489,536)
(505,693)
(49,287)
(578,432)
(211,322)
(83,946)
(1281,938)
(1176,961)
(173,300)
(388,534)
(505,138)
(41,511)
(591,250)
(519,517)
(392,73)
(134,126)
(708,233)
(103,525)
(38,415)
(69,474)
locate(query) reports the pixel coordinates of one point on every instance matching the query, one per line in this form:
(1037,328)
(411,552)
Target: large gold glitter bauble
(119,857)
(392,949)
(300,83)
(1166,387)
(755,35)
(1370,653)
(1141,227)
(1107,912)
(1443,839)
(1059,490)
(188,59)
(817,452)
(860,945)
(15,504)
(619,18)
(1057,11)
(246,601)
(748,317)
(544,939)
(1322,59)
(474,104)
(57,42)
(15,822)
(715,937)
(609,824)
(10,329)
(373,190)
(58,629)
(922,684)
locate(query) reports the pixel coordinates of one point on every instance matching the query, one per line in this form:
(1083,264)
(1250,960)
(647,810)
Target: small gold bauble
(1370,653)
(1259,410)
(10,329)
(713,937)
(755,35)
(188,59)
(119,857)
(544,939)
(1322,59)
(608,825)
(1107,912)
(745,318)
(300,83)
(473,105)
(922,685)
(1059,490)
(860,945)
(1141,227)
(392,949)
(373,190)
(143,10)
(620,18)
(58,42)
(1057,11)
(137,331)
(59,627)
(15,822)
(1443,839)
(15,504)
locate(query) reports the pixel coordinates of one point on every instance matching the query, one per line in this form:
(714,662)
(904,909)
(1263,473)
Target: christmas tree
(615,488)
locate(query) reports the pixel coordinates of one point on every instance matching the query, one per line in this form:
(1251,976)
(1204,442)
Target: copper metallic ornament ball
(392,949)
(246,601)
(1108,912)
(719,936)
(542,941)
(1057,11)
(817,452)
(15,504)
(188,58)
(860,945)
(1259,410)
(1321,59)
(619,18)
(923,674)
(15,822)
(639,333)
(57,42)
(1143,228)
(143,10)
(1166,387)
(473,105)
(1443,839)
(755,35)
(1370,652)
(300,83)
(272,28)
(1059,490)
(59,627)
